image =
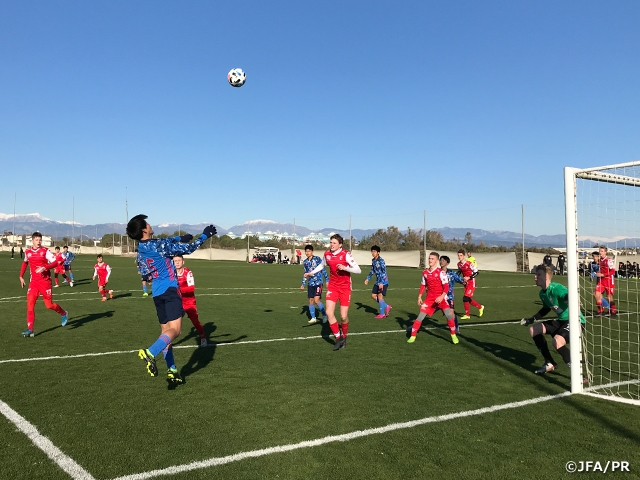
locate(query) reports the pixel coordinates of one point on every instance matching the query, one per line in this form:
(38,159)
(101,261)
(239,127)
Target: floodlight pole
(350,248)
(523,270)
(15,196)
(73,219)
(424,236)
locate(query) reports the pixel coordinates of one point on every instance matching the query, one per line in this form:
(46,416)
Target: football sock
(541,343)
(71,275)
(144,288)
(56,279)
(321,308)
(168,357)
(335,329)
(312,310)
(345,329)
(467,308)
(565,354)
(416,326)
(452,326)
(613,308)
(383,307)
(196,324)
(103,292)
(475,304)
(159,345)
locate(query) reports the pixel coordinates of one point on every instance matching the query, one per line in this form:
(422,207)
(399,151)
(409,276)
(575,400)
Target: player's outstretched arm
(170,247)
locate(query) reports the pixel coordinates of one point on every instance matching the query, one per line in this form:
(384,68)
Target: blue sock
(383,307)
(312,310)
(321,308)
(160,344)
(71,275)
(168,356)
(605,303)
(144,288)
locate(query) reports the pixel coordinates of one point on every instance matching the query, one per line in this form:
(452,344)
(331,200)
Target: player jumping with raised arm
(155,256)
(469,273)
(554,297)
(436,284)
(59,268)
(68,258)
(314,290)
(341,266)
(187,286)
(40,261)
(379,290)
(606,283)
(103,272)
(453,278)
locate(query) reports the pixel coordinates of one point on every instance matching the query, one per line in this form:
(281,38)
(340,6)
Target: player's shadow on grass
(82,281)
(202,357)
(367,308)
(429,325)
(122,295)
(209,328)
(78,322)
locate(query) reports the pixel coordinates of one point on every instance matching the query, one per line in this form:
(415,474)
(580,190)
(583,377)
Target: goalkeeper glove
(186,238)
(210,231)
(527,321)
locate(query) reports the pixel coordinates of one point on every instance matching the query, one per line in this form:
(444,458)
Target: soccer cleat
(145,355)
(546,368)
(203,343)
(65,318)
(481,310)
(173,377)
(380,315)
(56,286)
(465,317)
(110,293)
(145,294)
(64,281)
(312,321)
(454,339)
(614,315)
(340,343)
(28,333)
(71,284)
(412,339)
(387,310)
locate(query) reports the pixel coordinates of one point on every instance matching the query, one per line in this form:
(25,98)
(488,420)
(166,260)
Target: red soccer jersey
(39,257)
(339,278)
(436,282)
(607,269)
(187,284)
(102,270)
(467,268)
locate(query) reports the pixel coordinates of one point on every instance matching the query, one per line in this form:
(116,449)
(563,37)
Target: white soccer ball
(236,77)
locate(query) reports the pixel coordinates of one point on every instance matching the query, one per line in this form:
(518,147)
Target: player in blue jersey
(68,258)
(146,277)
(454,278)
(314,290)
(379,290)
(156,259)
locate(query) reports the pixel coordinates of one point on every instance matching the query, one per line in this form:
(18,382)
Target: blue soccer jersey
(379,269)
(68,258)
(155,259)
(317,279)
(453,278)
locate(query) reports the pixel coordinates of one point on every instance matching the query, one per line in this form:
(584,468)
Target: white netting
(608,209)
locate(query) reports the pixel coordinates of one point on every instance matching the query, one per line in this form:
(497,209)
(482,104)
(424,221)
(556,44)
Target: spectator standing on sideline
(561,261)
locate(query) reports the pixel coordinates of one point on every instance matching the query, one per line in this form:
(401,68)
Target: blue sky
(378,110)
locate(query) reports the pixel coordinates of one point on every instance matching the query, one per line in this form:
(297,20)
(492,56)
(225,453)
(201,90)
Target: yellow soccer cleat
(454,339)
(465,317)
(145,355)
(481,311)
(411,339)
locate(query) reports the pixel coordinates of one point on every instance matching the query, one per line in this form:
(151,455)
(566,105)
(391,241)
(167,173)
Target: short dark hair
(99,255)
(338,237)
(36,234)
(376,248)
(544,268)
(445,258)
(435,254)
(462,251)
(66,246)
(307,247)
(178,255)
(595,253)
(135,227)
(57,248)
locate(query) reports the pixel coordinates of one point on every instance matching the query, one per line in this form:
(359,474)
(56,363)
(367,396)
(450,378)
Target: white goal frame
(571,223)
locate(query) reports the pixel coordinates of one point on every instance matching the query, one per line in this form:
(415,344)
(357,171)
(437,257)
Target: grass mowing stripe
(65,462)
(245,342)
(216,461)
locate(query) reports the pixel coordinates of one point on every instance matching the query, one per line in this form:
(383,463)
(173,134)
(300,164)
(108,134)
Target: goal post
(602,207)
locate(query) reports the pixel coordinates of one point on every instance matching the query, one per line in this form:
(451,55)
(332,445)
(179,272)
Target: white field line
(63,461)
(216,461)
(245,342)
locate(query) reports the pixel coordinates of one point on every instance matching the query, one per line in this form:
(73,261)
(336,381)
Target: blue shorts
(169,305)
(376,289)
(313,292)
(67,268)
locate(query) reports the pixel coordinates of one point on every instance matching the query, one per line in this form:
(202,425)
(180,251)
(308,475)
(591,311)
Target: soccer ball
(236,77)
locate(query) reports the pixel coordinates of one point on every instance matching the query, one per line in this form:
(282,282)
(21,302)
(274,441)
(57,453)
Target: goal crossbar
(609,178)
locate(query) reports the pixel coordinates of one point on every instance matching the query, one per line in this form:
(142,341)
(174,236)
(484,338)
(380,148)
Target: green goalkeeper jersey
(556,298)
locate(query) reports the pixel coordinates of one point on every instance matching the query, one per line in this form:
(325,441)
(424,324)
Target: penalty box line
(242,342)
(216,461)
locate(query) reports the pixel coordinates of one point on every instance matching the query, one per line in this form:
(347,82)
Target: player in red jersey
(607,282)
(60,268)
(102,271)
(341,266)
(469,273)
(40,261)
(187,287)
(436,283)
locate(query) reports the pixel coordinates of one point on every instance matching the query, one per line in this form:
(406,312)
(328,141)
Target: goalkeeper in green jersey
(554,297)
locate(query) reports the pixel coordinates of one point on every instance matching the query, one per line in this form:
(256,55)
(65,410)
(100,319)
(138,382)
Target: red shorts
(102,286)
(430,306)
(340,294)
(605,287)
(470,287)
(59,269)
(37,289)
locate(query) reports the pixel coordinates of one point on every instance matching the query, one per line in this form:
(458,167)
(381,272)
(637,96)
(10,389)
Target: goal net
(603,210)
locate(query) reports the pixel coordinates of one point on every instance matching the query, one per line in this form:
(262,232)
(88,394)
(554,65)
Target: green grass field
(273,381)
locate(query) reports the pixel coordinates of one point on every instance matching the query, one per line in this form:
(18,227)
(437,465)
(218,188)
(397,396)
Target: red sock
(335,329)
(416,326)
(475,304)
(613,308)
(103,292)
(452,326)
(56,280)
(193,316)
(345,329)
(467,309)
